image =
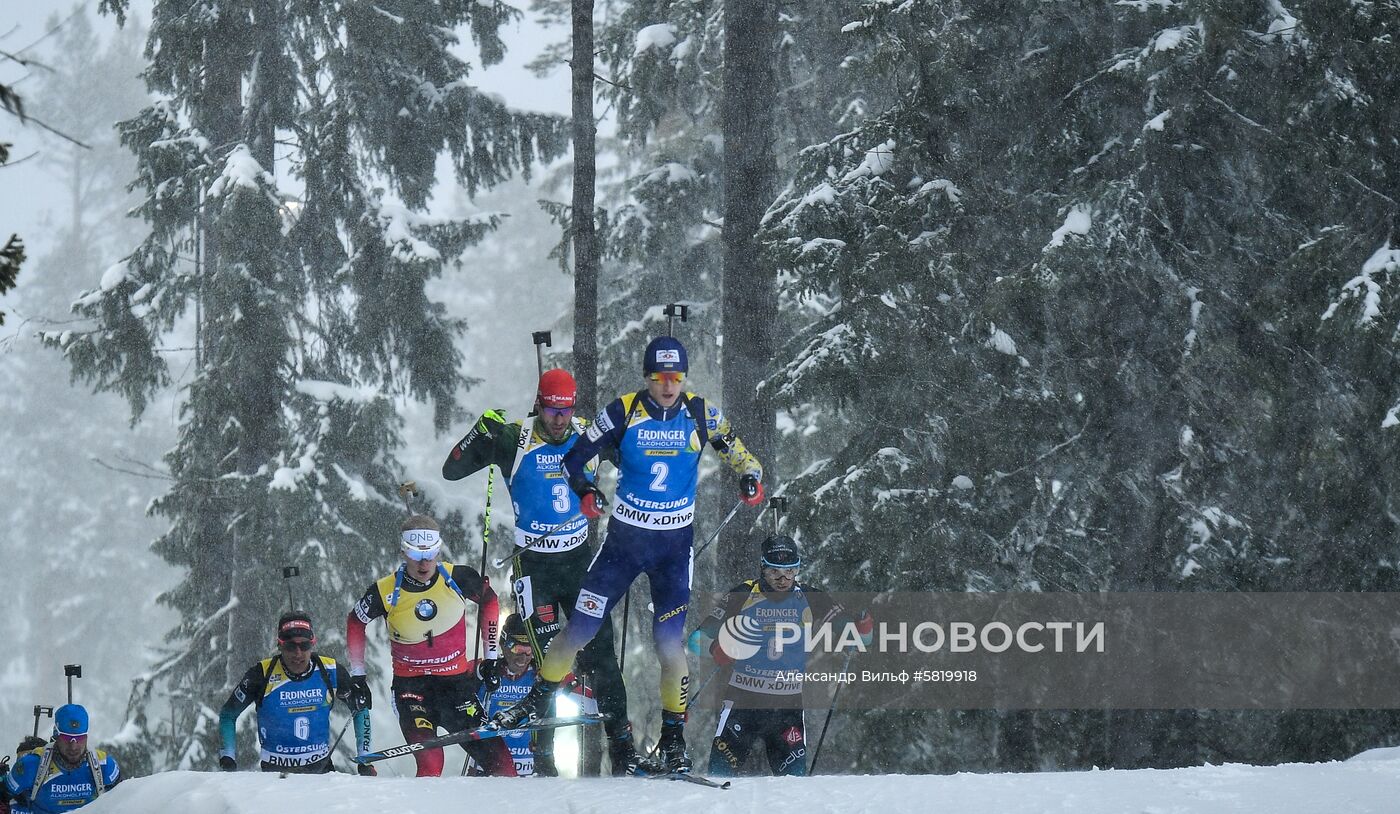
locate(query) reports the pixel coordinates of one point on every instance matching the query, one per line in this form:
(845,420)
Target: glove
(491,422)
(593,502)
(227,764)
(865,626)
(359,697)
(489,671)
(366,770)
(750,490)
(717,653)
(697,642)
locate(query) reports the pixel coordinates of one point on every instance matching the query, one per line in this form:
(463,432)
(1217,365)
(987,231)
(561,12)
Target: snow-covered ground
(1368,783)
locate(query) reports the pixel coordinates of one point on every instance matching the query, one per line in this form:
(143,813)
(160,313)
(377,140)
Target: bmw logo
(425,609)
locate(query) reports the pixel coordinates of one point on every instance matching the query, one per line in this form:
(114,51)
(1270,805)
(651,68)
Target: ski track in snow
(1368,783)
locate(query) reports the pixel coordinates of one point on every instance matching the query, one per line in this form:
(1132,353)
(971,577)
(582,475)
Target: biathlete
(424,605)
(762,704)
(658,435)
(547,571)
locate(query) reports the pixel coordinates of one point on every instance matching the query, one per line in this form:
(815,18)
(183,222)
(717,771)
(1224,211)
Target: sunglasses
(420,554)
(672,376)
(520,647)
(71,738)
(298,644)
(557,412)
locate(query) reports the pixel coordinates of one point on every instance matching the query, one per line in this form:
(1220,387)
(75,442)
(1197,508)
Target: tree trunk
(748,102)
(585,244)
(584,233)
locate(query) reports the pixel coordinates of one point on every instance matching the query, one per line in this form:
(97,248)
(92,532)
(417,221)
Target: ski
(689,778)
(479,734)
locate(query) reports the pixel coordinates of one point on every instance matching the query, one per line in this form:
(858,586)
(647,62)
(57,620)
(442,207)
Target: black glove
(359,697)
(366,770)
(227,764)
(489,671)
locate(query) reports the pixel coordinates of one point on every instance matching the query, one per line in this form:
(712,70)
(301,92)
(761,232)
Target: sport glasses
(672,376)
(557,412)
(420,554)
(295,644)
(520,647)
(66,738)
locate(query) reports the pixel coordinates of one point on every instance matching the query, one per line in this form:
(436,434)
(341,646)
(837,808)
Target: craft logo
(425,609)
(741,637)
(671,356)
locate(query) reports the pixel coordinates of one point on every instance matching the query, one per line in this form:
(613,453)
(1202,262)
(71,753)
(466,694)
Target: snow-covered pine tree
(286,172)
(661,212)
(1072,289)
(62,442)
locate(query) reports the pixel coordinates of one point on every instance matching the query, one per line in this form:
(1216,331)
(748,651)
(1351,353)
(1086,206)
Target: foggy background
(75,480)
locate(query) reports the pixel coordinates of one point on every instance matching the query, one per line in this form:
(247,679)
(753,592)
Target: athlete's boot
(544,765)
(671,755)
(622,753)
(534,705)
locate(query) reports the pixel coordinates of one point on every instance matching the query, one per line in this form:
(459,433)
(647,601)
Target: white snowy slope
(1368,783)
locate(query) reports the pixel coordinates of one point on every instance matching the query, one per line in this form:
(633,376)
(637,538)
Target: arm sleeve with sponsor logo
(608,453)
(21,778)
(478,589)
(601,439)
(477,450)
(361,718)
(729,446)
(369,608)
(248,691)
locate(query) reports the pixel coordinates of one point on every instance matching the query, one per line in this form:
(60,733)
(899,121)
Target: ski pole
(626,615)
(720,527)
(695,693)
(485,538)
(343,729)
(816,753)
(552,530)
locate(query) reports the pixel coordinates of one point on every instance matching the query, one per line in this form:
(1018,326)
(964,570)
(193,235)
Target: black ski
(688,778)
(481,733)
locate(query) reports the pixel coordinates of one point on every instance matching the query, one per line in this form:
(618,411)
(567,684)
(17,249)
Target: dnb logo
(740,637)
(425,609)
